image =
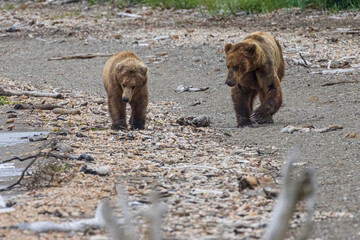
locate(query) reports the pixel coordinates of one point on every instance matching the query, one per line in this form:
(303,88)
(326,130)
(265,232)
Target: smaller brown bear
(255,68)
(125,80)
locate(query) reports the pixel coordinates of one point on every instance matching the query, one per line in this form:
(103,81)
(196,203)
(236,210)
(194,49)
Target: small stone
(86,157)
(37,138)
(11,120)
(352,135)
(103,170)
(83,104)
(65,148)
(12,115)
(61,118)
(10,127)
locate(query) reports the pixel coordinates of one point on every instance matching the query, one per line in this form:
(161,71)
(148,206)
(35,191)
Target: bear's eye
(236,68)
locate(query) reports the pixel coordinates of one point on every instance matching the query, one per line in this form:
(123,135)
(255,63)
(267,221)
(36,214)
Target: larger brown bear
(255,68)
(125,80)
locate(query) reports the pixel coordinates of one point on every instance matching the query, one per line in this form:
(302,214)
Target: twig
(21,177)
(36,156)
(4,92)
(42,154)
(81,56)
(303,59)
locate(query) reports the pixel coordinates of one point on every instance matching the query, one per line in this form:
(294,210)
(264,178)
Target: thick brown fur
(125,80)
(255,68)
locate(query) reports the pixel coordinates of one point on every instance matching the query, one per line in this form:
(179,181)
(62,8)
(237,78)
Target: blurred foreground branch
(292,192)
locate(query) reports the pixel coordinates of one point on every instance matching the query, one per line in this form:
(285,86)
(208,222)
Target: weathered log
(66,111)
(37,106)
(81,56)
(4,92)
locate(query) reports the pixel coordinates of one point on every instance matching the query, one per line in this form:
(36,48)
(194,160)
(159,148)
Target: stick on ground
(81,56)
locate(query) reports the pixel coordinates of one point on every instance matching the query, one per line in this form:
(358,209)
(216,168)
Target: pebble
(11,120)
(10,127)
(12,115)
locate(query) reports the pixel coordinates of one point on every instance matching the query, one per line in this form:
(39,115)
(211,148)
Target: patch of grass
(4,101)
(51,174)
(158,122)
(231,7)
(10,7)
(92,2)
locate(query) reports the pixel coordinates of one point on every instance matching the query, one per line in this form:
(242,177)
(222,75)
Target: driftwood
(291,193)
(310,128)
(336,71)
(64,111)
(53,154)
(199,121)
(124,14)
(119,229)
(81,56)
(341,82)
(4,92)
(37,106)
(183,88)
(82,225)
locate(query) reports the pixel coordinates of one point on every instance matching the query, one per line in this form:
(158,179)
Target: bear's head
(132,75)
(241,58)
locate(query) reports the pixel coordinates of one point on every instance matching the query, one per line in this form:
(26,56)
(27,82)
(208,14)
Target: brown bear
(255,68)
(125,80)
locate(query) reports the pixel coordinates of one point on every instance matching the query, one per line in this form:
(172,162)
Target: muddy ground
(185,47)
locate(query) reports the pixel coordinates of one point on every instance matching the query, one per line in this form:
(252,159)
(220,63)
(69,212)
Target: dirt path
(192,55)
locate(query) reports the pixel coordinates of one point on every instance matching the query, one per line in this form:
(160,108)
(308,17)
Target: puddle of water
(9,170)
(12,138)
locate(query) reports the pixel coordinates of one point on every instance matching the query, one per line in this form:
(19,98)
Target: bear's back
(271,48)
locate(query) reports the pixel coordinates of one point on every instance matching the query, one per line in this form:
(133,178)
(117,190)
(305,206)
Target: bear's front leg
(138,113)
(117,109)
(243,104)
(271,100)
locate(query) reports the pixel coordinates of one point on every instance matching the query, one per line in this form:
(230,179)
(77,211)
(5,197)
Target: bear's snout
(229,83)
(125,99)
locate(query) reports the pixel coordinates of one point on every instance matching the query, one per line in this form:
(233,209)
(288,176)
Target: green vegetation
(228,7)
(10,7)
(4,100)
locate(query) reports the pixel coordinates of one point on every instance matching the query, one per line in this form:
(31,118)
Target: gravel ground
(191,54)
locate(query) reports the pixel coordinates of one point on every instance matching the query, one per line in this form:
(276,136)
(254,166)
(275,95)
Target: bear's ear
(120,67)
(250,49)
(143,70)
(227,47)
